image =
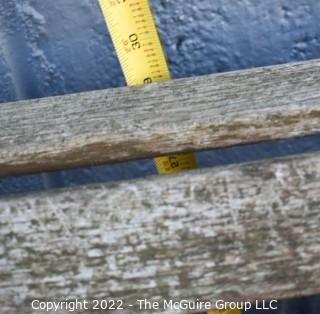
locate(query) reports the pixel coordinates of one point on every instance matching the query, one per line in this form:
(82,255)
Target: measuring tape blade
(137,44)
(142,60)
(175,163)
(136,41)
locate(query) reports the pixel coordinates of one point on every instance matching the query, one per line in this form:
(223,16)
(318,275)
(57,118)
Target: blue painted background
(62,46)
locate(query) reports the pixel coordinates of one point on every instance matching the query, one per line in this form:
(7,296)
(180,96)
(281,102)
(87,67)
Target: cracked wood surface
(243,232)
(181,115)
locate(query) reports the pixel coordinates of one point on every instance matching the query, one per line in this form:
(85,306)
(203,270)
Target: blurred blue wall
(62,46)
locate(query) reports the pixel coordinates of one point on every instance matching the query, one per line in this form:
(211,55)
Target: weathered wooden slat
(183,115)
(243,232)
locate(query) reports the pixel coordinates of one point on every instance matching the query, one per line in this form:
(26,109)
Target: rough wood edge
(181,115)
(240,232)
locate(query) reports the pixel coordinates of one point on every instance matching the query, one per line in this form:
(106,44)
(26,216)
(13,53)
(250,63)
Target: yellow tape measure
(142,60)
(136,40)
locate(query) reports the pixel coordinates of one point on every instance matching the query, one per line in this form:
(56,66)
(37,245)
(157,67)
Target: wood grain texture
(181,115)
(243,232)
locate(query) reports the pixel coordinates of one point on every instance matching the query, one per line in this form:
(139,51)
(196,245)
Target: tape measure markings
(141,57)
(139,68)
(136,41)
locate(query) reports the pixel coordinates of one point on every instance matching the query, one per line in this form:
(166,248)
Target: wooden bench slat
(181,115)
(243,232)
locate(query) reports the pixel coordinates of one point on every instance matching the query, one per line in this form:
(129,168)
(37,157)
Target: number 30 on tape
(141,57)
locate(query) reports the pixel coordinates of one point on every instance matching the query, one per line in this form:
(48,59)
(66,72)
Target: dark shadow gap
(141,168)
